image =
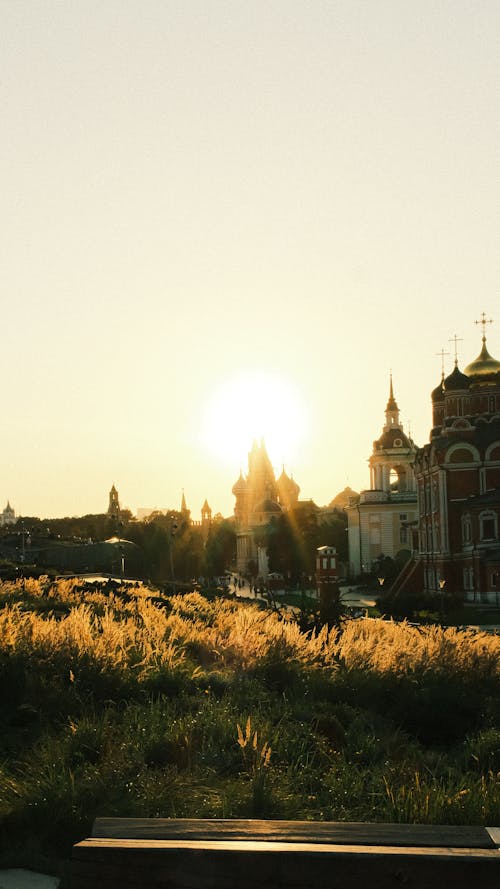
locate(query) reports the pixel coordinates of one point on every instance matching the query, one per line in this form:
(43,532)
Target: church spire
(392,410)
(183,502)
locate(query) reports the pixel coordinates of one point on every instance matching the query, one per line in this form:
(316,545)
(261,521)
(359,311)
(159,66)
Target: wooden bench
(157,853)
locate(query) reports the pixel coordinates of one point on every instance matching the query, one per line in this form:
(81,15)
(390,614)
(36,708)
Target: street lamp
(174,525)
(442,583)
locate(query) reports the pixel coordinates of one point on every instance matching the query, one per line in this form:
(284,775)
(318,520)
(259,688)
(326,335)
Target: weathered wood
(103,863)
(494,833)
(356,833)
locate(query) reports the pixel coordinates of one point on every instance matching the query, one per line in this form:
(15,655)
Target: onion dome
(287,485)
(240,486)
(484,365)
(437,394)
(456,381)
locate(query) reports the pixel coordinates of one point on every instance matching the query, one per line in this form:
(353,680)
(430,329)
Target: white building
(378,522)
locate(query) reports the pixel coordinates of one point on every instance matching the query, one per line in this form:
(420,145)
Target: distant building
(205,523)
(114,504)
(458,481)
(342,499)
(259,498)
(380,518)
(8,516)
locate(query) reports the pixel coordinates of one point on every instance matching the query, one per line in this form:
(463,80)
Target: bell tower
(393,455)
(380,523)
(114,504)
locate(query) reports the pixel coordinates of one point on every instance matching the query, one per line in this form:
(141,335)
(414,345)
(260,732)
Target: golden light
(253,405)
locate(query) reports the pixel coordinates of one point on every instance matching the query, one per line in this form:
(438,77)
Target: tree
(220,550)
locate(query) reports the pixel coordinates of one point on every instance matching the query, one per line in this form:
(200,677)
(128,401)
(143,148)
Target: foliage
(120,701)
(220,551)
(293,538)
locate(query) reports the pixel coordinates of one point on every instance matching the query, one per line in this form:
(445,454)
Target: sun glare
(255,405)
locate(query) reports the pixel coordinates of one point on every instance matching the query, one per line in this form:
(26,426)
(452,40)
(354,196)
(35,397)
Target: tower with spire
(379,523)
(114,504)
(393,455)
(8,515)
(185,512)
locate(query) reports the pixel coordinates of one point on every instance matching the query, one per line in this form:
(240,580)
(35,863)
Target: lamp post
(442,583)
(174,525)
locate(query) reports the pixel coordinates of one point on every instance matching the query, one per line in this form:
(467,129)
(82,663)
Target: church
(259,498)
(457,547)
(379,519)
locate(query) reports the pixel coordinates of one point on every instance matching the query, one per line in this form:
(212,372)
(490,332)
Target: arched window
(394,480)
(488,525)
(493,452)
(462,453)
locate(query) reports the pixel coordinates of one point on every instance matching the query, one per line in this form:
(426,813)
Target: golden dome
(484,365)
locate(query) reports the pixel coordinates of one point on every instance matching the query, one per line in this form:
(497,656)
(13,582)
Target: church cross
(455,339)
(442,353)
(484,321)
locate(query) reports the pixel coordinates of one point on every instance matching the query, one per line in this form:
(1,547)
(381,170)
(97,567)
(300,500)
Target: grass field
(119,703)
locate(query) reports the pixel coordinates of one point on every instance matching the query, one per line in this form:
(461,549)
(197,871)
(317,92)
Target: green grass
(187,707)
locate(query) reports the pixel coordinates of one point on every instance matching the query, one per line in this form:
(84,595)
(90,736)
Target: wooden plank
(494,833)
(142,864)
(296,831)
(96,844)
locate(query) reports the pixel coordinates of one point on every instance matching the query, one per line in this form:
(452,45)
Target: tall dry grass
(116,700)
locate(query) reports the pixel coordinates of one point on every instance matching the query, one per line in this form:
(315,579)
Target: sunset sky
(220,214)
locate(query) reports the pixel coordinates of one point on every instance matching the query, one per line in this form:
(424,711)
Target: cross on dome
(456,339)
(484,321)
(442,353)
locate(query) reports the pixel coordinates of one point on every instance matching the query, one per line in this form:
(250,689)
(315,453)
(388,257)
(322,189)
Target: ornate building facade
(259,498)
(458,482)
(379,520)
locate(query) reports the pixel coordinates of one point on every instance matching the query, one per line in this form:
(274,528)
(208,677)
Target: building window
(403,516)
(403,534)
(494,579)
(488,525)
(466,529)
(468,579)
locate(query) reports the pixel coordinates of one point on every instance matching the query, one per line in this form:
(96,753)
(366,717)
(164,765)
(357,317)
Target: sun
(250,405)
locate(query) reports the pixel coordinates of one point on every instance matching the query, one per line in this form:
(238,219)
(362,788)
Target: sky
(223,215)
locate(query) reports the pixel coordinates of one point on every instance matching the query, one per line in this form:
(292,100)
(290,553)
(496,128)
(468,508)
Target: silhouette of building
(458,481)
(144,513)
(8,516)
(379,519)
(114,504)
(260,497)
